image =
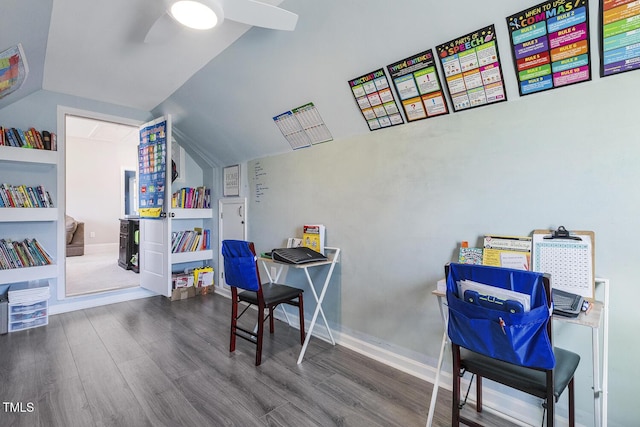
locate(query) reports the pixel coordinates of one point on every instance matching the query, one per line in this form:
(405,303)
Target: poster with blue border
(471,66)
(619,36)
(152,167)
(550,45)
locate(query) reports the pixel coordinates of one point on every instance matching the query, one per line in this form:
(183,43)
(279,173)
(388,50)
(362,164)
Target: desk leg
(317,310)
(597,392)
(436,384)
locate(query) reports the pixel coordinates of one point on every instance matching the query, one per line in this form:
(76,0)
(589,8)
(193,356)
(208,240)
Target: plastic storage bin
(27,316)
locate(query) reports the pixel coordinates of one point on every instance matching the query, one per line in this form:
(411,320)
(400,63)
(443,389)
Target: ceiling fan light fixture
(199,15)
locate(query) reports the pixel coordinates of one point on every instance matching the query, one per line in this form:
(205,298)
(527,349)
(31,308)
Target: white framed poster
(231,181)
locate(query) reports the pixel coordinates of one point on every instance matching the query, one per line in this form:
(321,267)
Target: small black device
(299,255)
(566,304)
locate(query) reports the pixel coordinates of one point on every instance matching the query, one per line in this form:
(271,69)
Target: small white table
(333,255)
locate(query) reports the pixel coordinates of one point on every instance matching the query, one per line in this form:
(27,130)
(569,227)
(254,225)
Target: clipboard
(569,257)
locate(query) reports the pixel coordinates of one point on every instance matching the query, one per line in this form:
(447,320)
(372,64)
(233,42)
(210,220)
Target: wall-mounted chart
(620,32)
(376,101)
(152,167)
(471,65)
(418,86)
(550,45)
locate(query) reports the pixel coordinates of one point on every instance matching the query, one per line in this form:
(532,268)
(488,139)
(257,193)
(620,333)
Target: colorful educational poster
(418,86)
(376,100)
(620,32)
(152,166)
(550,45)
(472,69)
(13,70)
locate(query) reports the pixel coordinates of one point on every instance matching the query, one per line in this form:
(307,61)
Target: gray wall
(399,201)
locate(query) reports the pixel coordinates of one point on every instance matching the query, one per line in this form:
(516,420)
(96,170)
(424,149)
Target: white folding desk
(598,316)
(333,255)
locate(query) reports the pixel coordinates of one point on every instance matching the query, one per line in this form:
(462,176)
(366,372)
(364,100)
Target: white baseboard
(80,303)
(101,248)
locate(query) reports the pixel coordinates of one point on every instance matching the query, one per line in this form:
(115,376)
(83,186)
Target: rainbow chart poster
(550,45)
(620,42)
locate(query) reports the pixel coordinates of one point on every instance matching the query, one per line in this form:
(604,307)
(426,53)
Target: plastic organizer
(22,316)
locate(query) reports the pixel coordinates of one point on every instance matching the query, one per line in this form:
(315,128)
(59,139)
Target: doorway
(100,165)
(232,225)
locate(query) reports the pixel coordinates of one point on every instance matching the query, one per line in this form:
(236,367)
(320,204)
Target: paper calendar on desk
(569,261)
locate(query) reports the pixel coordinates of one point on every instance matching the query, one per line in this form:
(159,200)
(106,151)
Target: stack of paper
(29,292)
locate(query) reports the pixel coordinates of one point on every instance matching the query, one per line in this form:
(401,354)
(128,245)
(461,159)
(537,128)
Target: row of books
(26,253)
(21,196)
(190,240)
(192,198)
(30,138)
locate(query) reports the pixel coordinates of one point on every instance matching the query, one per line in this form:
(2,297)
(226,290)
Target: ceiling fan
(206,14)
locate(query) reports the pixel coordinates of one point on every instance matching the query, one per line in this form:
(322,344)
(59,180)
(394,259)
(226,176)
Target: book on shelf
(21,196)
(29,138)
(190,240)
(313,237)
(25,253)
(191,198)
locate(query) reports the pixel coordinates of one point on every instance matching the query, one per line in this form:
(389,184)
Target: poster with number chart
(418,86)
(570,262)
(550,45)
(303,126)
(472,69)
(152,166)
(620,36)
(375,100)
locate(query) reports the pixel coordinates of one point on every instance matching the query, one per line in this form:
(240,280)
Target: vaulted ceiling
(224,87)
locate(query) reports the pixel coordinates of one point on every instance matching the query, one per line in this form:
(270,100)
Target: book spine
(29,137)
(26,201)
(38,138)
(43,252)
(4,246)
(2,142)
(27,251)
(36,253)
(23,138)
(10,137)
(46,139)
(14,254)
(35,200)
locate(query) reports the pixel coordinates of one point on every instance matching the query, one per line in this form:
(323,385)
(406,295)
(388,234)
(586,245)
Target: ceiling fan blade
(162,30)
(260,14)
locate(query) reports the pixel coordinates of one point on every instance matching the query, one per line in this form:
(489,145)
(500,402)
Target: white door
(155,267)
(155,273)
(232,225)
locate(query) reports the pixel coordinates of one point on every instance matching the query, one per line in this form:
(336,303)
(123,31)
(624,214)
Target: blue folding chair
(511,347)
(241,271)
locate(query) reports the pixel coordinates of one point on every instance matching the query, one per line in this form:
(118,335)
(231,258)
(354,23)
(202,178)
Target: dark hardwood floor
(153,362)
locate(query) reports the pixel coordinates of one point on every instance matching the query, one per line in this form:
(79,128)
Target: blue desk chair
(507,346)
(241,271)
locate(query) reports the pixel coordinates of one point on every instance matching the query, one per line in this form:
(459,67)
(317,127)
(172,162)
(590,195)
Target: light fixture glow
(194,14)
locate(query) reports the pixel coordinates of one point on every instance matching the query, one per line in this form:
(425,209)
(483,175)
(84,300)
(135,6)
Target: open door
(154,193)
